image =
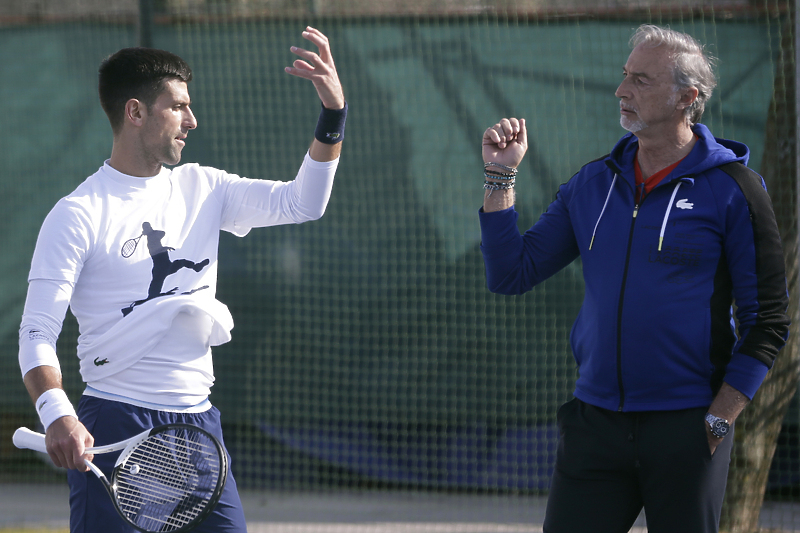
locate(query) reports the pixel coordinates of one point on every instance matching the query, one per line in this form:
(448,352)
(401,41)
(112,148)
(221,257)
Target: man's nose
(621,91)
(190,121)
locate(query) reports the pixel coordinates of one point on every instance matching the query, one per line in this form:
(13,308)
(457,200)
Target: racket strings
(179,463)
(164,499)
(170,468)
(175,470)
(168,480)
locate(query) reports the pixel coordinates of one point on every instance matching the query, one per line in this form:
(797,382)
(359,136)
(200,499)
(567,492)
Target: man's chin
(172,159)
(632,126)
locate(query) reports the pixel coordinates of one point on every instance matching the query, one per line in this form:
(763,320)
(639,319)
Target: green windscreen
(367,350)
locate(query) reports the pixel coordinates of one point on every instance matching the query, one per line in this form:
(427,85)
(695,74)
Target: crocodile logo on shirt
(100,362)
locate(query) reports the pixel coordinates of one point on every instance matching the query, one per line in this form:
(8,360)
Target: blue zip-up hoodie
(655,331)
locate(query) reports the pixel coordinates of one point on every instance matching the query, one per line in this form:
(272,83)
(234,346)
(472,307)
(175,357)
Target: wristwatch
(719,426)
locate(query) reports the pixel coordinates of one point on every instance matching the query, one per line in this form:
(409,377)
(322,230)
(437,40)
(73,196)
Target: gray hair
(694,67)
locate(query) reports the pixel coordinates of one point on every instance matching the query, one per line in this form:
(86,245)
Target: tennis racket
(167,479)
(129,246)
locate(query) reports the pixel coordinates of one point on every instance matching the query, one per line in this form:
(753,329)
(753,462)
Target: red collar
(652,181)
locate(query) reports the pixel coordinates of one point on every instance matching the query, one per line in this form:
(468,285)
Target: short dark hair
(138,73)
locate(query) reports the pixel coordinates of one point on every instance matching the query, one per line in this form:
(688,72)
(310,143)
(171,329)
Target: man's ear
(688,96)
(135,112)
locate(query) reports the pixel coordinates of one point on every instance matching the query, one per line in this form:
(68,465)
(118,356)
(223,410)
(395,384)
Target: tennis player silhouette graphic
(163,266)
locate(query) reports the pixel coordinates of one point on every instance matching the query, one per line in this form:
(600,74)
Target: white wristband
(52,405)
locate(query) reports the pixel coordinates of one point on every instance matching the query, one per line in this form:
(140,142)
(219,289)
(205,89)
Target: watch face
(720,428)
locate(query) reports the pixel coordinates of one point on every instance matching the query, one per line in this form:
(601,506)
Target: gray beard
(632,126)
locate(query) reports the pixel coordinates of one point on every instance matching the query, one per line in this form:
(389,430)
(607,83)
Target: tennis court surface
(45,506)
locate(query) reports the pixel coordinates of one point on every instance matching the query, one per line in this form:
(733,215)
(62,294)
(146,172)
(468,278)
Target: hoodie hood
(709,152)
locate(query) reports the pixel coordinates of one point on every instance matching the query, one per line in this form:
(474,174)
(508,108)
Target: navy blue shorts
(91,510)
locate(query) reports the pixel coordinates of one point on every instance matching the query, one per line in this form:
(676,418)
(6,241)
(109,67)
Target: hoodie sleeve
(756,264)
(515,263)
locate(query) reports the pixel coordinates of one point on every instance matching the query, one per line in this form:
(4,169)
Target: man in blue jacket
(671,228)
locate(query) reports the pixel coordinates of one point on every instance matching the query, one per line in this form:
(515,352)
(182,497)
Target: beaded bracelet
(508,169)
(498,176)
(492,186)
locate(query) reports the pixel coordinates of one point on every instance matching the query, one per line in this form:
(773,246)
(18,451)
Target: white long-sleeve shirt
(148,321)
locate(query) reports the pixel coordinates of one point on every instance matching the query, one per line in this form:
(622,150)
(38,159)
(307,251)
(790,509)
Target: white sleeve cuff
(35,352)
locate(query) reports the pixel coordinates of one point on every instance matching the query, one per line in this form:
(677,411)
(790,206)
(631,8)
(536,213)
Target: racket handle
(27,439)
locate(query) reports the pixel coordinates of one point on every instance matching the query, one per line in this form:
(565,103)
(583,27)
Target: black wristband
(330,126)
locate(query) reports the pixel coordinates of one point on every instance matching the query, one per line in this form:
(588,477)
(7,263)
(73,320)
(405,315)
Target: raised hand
(506,142)
(319,68)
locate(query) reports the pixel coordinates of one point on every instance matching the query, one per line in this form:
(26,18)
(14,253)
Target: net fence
(367,351)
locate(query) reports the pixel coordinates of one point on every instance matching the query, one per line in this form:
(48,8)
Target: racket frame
(25,438)
(135,242)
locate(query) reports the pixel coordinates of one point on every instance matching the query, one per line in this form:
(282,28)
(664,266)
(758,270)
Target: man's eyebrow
(637,74)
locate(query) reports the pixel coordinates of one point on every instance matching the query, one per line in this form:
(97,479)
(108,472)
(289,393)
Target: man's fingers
(309,56)
(506,142)
(81,464)
(522,135)
(320,40)
(63,457)
(78,462)
(79,453)
(67,441)
(87,443)
(491,135)
(496,136)
(304,72)
(492,138)
(302,65)
(503,132)
(57,460)
(510,126)
(72,450)
(314,31)
(509,130)
(313,63)
(319,69)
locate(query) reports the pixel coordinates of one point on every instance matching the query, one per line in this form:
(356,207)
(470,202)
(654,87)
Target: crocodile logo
(100,362)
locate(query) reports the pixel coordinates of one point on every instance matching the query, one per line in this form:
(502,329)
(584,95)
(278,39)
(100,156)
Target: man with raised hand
(671,228)
(147,311)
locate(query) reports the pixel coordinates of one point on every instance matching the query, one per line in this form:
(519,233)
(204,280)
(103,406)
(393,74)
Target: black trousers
(610,465)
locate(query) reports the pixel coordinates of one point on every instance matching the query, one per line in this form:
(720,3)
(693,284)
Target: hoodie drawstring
(610,189)
(663,224)
(666,215)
